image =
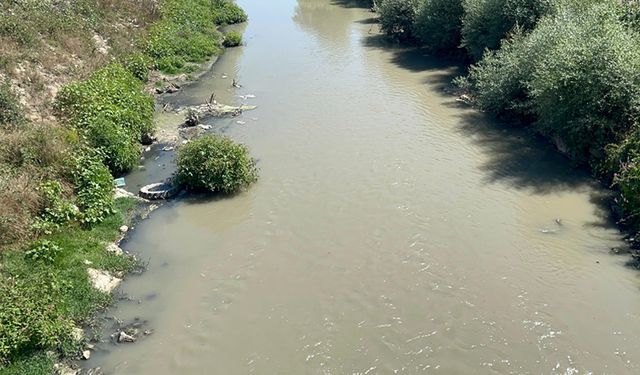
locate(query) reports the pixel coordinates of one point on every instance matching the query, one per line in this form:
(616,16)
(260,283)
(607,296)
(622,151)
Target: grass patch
(38,364)
(44,296)
(188,32)
(232,39)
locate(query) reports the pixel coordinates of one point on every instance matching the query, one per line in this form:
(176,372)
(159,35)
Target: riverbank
(59,155)
(392,227)
(562,69)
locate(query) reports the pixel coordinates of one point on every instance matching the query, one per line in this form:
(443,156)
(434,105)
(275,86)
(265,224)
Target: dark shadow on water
(513,156)
(369,21)
(352,3)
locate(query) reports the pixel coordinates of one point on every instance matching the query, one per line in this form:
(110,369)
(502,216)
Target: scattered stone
(167,148)
(115,249)
(170,88)
(147,332)
(191,133)
(62,369)
(204,127)
(86,354)
(77,334)
(87,262)
(124,337)
(124,229)
(103,280)
(101,44)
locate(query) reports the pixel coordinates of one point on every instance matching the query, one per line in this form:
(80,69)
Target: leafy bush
(57,210)
(487,22)
(438,24)
(94,187)
(120,150)
(112,111)
(398,17)
(589,95)
(138,65)
(500,79)
(43,251)
(232,39)
(215,163)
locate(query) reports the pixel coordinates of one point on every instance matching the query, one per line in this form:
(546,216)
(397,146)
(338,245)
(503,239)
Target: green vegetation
(568,69)
(188,32)
(232,39)
(111,111)
(45,291)
(438,24)
(215,163)
(486,22)
(58,156)
(398,17)
(10,114)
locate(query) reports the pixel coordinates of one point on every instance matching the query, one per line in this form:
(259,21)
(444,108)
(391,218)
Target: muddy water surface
(392,230)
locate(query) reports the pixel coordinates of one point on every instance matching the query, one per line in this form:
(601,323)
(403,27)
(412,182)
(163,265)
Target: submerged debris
(196,114)
(159,190)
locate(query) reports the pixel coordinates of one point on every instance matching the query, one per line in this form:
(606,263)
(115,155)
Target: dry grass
(28,157)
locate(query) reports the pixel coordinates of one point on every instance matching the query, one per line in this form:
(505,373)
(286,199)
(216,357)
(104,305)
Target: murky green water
(392,230)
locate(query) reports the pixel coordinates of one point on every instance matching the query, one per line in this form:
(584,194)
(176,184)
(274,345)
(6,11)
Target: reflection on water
(392,230)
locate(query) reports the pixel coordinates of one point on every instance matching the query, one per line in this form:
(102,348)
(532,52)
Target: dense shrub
(398,17)
(94,187)
(57,210)
(487,22)
(113,113)
(500,79)
(577,74)
(232,39)
(438,24)
(120,150)
(215,163)
(589,94)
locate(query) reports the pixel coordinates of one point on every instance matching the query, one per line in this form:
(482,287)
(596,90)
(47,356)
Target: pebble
(86,354)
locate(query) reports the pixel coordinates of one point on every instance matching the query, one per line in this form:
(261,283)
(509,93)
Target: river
(393,230)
